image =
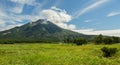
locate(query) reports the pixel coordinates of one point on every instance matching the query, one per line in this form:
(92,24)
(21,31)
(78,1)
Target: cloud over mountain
(58,16)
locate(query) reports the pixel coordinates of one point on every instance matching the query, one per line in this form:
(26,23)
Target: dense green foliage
(108,52)
(56,54)
(77,41)
(80,41)
(108,40)
(100,39)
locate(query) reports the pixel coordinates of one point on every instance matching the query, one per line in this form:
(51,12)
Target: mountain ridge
(41,31)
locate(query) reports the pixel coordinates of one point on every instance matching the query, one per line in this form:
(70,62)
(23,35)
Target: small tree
(108,40)
(108,52)
(80,41)
(98,39)
(116,39)
(68,40)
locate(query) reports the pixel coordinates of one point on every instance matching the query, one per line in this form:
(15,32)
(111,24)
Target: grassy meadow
(56,54)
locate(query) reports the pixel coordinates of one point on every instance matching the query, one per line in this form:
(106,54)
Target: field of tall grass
(56,54)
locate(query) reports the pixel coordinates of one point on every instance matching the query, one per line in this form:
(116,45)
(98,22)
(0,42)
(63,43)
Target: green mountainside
(39,31)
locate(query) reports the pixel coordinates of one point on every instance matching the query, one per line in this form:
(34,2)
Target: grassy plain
(55,54)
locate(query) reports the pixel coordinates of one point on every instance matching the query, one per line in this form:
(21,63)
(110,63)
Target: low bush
(108,52)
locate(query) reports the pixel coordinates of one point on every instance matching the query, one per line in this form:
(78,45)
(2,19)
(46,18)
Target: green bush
(108,52)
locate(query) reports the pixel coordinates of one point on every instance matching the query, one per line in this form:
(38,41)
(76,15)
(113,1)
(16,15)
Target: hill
(39,31)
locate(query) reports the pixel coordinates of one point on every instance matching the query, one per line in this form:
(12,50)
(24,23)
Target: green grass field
(56,54)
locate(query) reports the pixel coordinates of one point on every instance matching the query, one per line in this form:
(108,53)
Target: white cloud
(115,32)
(28,2)
(58,9)
(58,16)
(66,26)
(91,7)
(71,27)
(113,14)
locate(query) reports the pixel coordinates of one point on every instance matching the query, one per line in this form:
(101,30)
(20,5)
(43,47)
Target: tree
(98,39)
(69,40)
(80,41)
(108,40)
(116,39)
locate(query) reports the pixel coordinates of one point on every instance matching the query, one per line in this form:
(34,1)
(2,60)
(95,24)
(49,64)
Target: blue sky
(84,16)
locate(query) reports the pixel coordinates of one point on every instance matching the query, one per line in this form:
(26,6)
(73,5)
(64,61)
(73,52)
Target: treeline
(12,41)
(100,39)
(77,41)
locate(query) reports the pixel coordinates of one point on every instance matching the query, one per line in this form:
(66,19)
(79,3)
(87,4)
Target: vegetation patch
(80,41)
(108,52)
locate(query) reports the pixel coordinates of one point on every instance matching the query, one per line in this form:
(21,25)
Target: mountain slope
(41,31)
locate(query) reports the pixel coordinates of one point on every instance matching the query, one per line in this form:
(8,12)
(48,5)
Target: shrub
(108,52)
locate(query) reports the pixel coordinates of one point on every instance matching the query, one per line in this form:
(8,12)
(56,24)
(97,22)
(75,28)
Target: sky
(91,17)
